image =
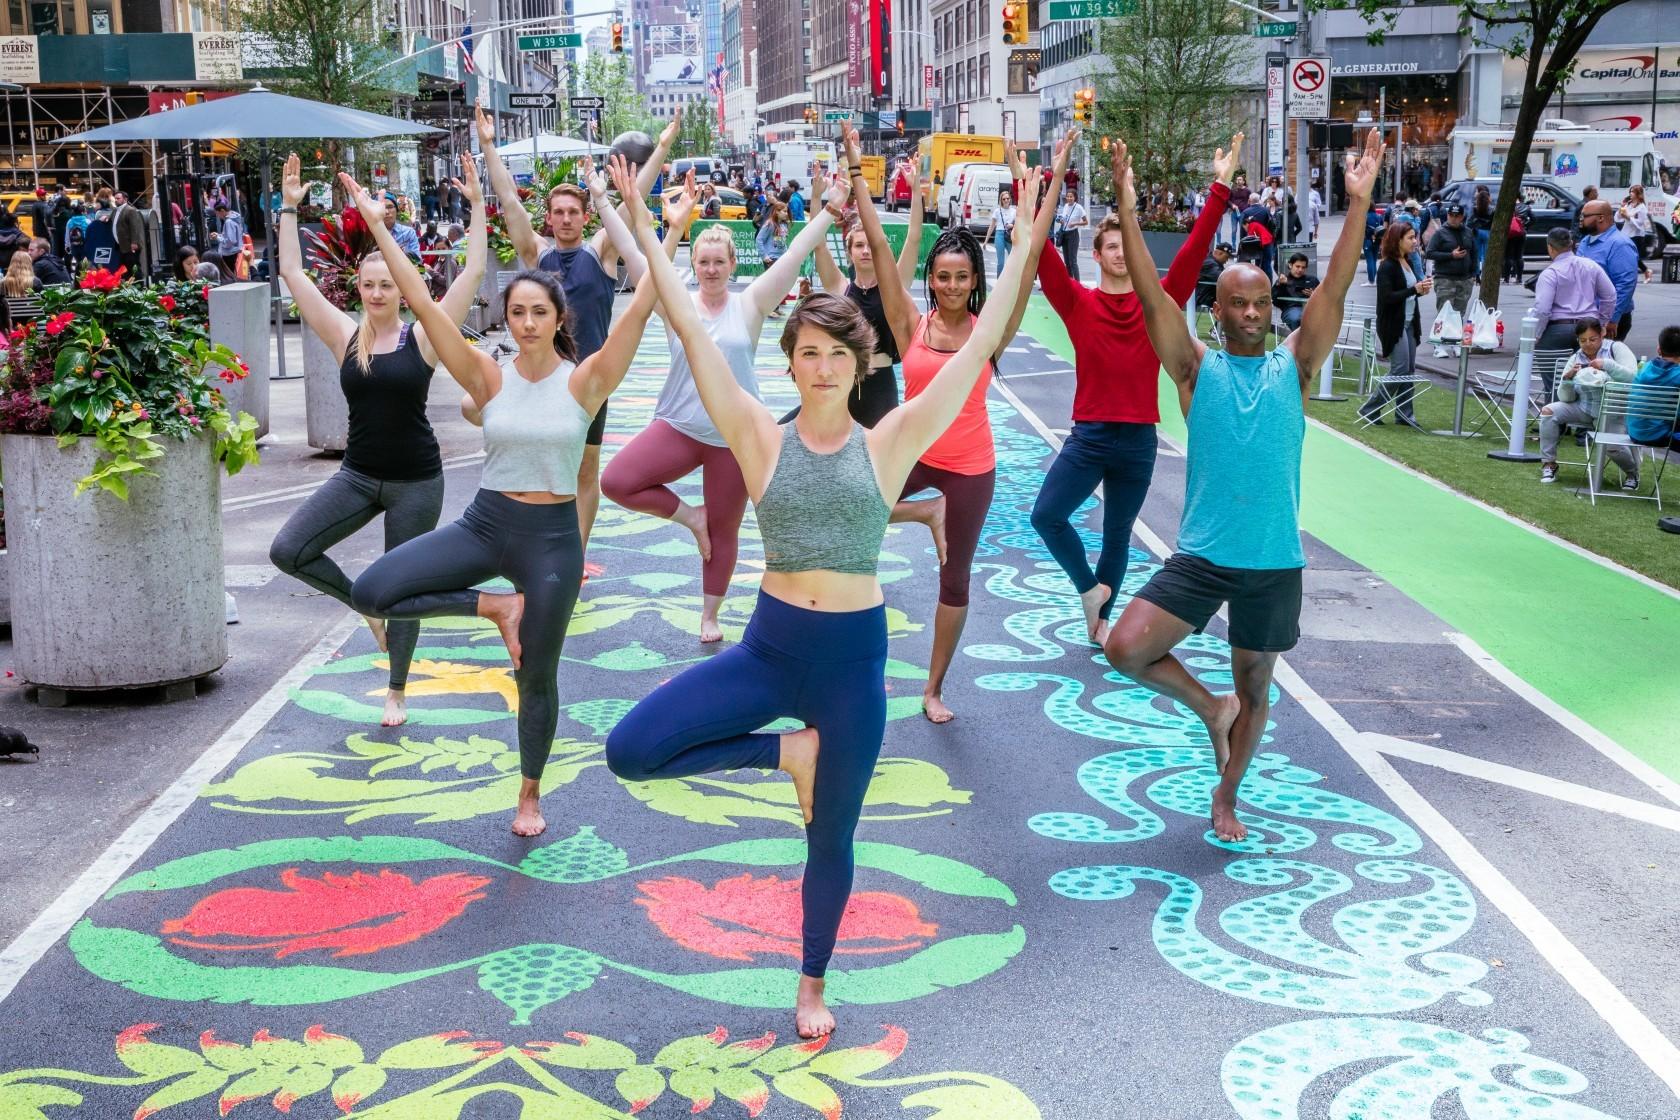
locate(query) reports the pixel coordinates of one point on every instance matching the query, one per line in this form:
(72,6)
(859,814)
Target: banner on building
(20,59)
(928,82)
(218,56)
(880,48)
(854,44)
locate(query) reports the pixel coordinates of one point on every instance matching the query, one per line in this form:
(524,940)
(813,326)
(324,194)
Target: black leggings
(534,547)
(344,503)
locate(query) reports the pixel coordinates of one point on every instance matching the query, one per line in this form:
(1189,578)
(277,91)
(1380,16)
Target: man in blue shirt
(1617,255)
(795,201)
(407,240)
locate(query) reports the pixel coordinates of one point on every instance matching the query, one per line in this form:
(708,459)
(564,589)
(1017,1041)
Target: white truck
(1576,157)
(797,160)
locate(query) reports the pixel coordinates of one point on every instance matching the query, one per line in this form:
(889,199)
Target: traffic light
(1084,105)
(901,124)
(617,38)
(1014,23)
(810,115)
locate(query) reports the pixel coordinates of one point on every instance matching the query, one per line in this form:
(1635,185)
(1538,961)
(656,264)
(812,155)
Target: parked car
(1553,206)
(903,186)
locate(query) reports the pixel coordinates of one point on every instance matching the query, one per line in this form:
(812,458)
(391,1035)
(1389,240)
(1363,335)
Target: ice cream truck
(1577,157)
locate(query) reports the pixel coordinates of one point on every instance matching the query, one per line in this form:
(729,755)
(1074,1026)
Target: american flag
(467,51)
(715,80)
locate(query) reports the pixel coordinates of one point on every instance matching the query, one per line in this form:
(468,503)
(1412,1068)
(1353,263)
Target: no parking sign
(1309,88)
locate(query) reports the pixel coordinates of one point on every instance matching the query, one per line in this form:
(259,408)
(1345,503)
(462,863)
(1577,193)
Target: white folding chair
(1644,405)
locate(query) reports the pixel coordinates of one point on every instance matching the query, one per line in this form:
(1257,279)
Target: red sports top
(1114,366)
(966,446)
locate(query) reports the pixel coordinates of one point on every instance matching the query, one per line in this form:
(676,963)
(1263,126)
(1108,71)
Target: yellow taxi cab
(732,208)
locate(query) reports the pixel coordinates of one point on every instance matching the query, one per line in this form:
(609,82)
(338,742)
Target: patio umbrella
(262,116)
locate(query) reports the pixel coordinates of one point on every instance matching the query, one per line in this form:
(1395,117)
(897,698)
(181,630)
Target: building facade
(983,86)
(740,60)
(784,60)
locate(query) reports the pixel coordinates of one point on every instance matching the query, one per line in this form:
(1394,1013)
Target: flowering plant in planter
(336,252)
(127,366)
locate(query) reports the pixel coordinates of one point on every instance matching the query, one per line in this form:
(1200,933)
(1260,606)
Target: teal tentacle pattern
(1370,975)
(1273,784)
(1267,1075)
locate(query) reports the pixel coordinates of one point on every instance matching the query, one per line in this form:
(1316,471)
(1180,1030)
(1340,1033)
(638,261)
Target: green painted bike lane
(1596,641)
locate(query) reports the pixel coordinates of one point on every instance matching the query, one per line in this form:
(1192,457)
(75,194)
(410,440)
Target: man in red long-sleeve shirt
(1114,400)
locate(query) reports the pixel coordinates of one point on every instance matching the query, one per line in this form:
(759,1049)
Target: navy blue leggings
(536,548)
(1122,458)
(825,669)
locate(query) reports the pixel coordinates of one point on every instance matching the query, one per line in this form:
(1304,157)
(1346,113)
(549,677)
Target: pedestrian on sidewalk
(1516,242)
(1070,219)
(522,525)
(1399,325)
(392,465)
(1001,229)
(1571,287)
(1452,252)
(1617,255)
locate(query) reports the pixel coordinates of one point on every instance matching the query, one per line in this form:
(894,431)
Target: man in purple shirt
(1571,287)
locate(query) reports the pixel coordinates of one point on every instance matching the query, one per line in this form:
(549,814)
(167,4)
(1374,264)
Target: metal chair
(1489,388)
(1356,339)
(1619,404)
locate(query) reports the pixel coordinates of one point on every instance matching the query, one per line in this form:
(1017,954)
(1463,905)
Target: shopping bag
(1448,326)
(1485,331)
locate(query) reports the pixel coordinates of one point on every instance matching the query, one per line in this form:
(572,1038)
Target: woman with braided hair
(961,464)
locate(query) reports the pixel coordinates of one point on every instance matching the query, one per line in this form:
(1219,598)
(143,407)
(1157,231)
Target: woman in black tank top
(392,464)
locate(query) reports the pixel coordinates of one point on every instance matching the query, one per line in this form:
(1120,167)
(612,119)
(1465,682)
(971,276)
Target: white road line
(1037,373)
(1571,722)
(1473,767)
(1601,561)
(53,922)
(1629,1023)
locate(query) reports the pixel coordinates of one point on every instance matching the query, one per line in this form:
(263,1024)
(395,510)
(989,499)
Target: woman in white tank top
(522,525)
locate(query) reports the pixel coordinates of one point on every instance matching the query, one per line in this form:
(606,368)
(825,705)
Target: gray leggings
(344,503)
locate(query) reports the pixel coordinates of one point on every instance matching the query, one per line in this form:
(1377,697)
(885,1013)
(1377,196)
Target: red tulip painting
(738,917)
(351,914)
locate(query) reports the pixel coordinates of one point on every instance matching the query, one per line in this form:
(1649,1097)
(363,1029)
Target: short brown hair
(1395,234)
(1110,224)
(837,317)
(569,191)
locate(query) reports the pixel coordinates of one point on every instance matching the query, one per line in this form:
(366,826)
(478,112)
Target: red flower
(103,279)
(167,302)
(204,292)
(57,323)
(350,914)
(738,917)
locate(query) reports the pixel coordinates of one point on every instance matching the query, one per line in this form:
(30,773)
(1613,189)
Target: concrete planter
(327,412)
(239,320)
(113,594)
(5,592)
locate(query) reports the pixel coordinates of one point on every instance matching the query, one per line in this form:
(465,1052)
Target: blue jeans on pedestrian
(1000,240)
(1291,315)
(1371,261)
(1121,457)
(1481,251)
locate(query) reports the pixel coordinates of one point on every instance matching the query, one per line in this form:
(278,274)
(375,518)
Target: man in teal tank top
(1239,543)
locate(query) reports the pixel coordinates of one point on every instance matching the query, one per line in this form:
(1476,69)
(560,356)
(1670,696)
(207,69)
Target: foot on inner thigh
(799,762)
(811,1014)
(505,611)
(1219,728)
(1092,602)
(693,518)
(933,707)
(1226,826)
(527,817)
(377,625)
(396,708)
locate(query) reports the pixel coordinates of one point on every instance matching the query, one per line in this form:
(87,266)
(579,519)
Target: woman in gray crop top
(815,649)
(522,525)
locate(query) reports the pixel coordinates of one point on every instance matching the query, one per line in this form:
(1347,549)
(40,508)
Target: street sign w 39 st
(1091,9)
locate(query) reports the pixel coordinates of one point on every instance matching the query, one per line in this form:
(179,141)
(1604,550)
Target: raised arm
(458,300)
(330,324)
(646,175)
(1019,177)
(896,302)
(743,421)
(1321,321)
(612,223)
(828,270)
(910,257)
(1163,320)
(767,290)
(1186,265)
(466,365)
(526,244)
(594,381)
(910,429)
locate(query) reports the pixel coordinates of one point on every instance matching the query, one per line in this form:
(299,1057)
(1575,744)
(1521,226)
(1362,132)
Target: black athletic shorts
(1265,602)
(597,428)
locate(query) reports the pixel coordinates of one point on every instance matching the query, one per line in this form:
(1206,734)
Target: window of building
(986,18)
(1616,174)
(985,77)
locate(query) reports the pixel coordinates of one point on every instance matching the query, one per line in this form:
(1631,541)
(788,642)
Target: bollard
(1457,430)
(1326,380)
(1516,451)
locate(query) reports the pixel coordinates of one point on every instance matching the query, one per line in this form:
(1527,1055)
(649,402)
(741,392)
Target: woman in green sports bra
(816,646)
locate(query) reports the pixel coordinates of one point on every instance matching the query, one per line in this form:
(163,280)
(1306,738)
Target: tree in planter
(1170,87)
(127,366)
(1546,35)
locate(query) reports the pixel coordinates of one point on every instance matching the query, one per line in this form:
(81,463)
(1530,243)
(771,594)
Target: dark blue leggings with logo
(1122,458)
(823,668)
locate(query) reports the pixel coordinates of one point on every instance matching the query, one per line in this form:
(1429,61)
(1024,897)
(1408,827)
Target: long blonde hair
(364,330)
(20,275)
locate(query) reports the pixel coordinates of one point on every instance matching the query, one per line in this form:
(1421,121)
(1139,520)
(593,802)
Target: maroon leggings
(967,498)
(636,479)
